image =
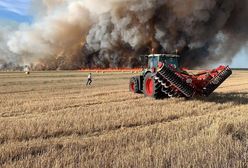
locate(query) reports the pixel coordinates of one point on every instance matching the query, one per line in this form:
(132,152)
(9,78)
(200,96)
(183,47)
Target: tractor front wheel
(151,87)
(134,85)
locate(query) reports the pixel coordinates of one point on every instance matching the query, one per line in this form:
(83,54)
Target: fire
(98,70)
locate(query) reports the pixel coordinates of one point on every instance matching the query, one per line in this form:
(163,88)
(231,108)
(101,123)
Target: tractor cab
(155,59)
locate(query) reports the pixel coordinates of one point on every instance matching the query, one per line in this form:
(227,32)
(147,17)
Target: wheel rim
(149,87)
(132,86)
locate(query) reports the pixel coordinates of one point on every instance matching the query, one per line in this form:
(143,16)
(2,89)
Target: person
(27,69)
(89,80)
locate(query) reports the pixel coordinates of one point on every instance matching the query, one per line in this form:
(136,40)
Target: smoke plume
(70,34)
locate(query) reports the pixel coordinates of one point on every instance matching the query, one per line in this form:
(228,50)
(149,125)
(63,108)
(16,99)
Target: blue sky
(241,60)
(17,10)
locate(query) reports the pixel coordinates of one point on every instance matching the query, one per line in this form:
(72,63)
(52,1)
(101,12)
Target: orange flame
(98,70)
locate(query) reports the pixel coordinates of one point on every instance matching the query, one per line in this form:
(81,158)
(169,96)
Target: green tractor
(146,83)
(163,78)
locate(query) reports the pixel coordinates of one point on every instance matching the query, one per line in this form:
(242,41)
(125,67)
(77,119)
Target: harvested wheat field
(51,119)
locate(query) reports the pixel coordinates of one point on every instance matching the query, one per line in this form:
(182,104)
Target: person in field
(89,80)
(27,69)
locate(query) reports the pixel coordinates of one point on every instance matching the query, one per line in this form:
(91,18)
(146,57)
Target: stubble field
(51,119)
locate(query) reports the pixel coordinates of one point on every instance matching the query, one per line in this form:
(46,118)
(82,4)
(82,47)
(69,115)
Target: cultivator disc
(173,85)
(217,81)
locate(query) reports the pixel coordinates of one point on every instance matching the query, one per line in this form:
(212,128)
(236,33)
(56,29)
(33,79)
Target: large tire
(151,88)
(134,85)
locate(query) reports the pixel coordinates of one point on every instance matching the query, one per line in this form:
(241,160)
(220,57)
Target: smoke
(5,54)
(203,31)
(70,34)
(55,39)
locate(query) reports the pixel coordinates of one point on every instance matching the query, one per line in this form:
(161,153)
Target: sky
(241,60)
(15,10)
(19,11)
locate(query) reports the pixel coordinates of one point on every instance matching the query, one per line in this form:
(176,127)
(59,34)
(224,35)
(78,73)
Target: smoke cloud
(5,54)
(70,34)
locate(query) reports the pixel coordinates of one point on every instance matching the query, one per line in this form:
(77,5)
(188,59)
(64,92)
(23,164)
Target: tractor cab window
(153,62)
(170,60)
(173,61)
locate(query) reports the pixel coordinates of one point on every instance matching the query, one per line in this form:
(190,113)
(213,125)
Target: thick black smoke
(203,31)
(113,33)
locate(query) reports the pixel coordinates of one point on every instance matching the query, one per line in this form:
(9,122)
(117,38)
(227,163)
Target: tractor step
(169,75)
(217,81)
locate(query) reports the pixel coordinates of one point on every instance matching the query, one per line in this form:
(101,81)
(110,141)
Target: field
(51,119)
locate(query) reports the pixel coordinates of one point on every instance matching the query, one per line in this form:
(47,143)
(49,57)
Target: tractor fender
(147,72)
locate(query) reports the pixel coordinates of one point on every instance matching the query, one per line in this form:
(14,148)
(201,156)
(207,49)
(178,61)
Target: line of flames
(112,70)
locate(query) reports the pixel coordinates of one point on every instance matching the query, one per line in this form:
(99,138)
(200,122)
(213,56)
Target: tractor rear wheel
(134,85)
(151,87)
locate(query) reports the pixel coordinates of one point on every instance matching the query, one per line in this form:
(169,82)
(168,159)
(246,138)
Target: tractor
(163,78)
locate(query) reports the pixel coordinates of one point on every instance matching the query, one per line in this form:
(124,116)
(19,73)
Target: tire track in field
(99,132)
(57,143)
(39,149)
(95,132)
(86,105)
